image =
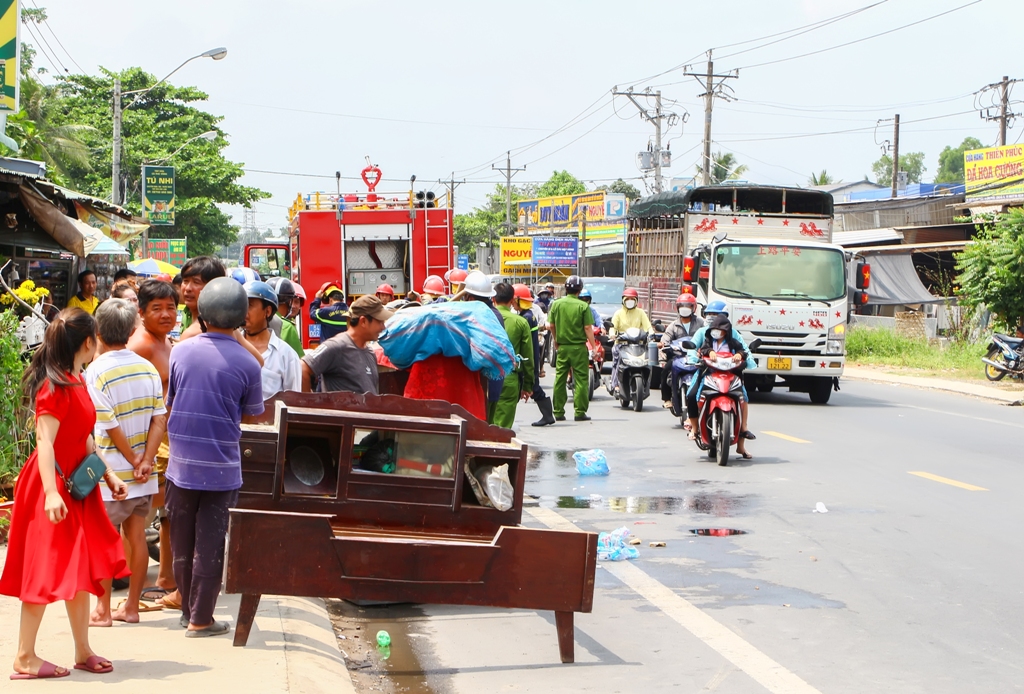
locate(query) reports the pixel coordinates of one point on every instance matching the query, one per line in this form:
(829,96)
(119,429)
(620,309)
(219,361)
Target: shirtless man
(158,308)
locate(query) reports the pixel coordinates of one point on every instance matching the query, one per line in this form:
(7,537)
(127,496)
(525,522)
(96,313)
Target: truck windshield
(779,272)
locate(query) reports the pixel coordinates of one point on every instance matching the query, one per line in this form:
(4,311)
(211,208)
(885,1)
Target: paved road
(911,582)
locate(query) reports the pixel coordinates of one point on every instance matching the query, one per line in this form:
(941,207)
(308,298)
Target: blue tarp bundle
(465,329)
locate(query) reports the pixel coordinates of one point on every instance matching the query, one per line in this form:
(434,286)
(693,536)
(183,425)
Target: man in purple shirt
(213,382)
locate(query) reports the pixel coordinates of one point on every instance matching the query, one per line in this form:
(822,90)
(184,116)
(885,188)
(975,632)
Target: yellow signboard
(516,254)
(10,49)
(994,173)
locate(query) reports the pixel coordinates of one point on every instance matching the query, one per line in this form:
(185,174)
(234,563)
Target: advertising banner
(173,251)
(516,252)
(111,225)
(550,251)
(565,211)
(158,195)
(462,262)
(10,56)
(994,173)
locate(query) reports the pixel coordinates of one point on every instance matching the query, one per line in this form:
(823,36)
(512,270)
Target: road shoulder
(1007,397)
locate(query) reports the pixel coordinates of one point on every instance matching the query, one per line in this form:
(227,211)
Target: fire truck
(366,239)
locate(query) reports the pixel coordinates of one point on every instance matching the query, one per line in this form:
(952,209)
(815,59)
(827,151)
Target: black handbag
(85,477)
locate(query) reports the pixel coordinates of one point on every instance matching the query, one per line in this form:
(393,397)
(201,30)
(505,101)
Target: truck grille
(791,344)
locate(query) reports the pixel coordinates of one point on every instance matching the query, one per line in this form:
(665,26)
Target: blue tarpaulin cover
(465,329)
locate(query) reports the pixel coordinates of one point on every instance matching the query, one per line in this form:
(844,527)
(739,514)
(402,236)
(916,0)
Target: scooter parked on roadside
(1004,356)
(719,413)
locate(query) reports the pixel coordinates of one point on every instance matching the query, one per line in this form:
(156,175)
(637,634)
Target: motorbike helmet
(260,290)
(573,285)
(223,303)
(477,284)
(685,299)
(522,292)
(717,307)
(585,295)
(244,275)
(434,285)
(299,291)
(631,293)
(283,287)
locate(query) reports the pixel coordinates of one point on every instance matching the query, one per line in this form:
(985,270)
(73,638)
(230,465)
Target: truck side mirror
(863,275)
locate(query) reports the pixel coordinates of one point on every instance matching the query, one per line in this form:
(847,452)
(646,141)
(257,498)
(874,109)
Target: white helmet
(477,284)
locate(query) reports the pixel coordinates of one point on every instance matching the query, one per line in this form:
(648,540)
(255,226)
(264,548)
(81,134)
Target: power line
(865,38)
(42,37)
(42,50)
(55,38)
(848,108)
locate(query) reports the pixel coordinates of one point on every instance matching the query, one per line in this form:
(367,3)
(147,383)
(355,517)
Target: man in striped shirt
(130,423)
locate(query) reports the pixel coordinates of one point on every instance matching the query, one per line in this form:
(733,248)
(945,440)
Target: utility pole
(451,185)
(582,260)
(509,173)
(895,155)
(115,169)
(1004,115)
(656,119)
(712,90)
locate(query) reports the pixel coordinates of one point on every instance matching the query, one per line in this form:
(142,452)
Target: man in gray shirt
(344,362)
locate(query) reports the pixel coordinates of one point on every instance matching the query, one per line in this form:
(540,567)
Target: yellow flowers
(27,292)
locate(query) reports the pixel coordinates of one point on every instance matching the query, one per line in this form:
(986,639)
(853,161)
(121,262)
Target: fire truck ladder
(433,268)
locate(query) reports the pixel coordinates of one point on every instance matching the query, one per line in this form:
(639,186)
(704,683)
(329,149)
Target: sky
(309,87)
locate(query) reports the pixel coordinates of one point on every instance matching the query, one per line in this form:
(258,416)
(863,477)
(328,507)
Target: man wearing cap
(345,362)
(332,318)
(572,327)
(519,383)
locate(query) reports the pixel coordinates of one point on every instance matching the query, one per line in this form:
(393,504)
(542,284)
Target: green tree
(62,147)
(628,189)
(911,162)
(724,167)
(992,268)
(822,179)
(154,128)
(951,161)
(561,183)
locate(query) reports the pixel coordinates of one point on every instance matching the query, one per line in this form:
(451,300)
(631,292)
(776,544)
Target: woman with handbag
(61,543)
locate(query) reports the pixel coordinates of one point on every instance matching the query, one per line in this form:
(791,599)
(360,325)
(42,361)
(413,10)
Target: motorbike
(1004,356)
(634,370)
(596,362)
(683,365)
(719,414)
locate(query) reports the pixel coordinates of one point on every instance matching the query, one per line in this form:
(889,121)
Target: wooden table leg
(566,636)
(247,613)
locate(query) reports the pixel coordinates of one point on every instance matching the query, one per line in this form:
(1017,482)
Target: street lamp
(209,136)
(115,172)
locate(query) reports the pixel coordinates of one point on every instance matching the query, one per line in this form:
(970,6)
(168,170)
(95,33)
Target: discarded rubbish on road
(593,462)
(614,546)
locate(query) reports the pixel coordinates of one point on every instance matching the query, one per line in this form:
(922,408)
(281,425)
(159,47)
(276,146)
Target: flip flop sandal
(143,606)
(92,662)
(746,456)
(164,602)
(47,671)
(154,593)
(748,436)
(215,629)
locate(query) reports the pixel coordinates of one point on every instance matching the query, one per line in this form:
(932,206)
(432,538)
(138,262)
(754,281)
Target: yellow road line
(730,645)
(946,480)
(784,436)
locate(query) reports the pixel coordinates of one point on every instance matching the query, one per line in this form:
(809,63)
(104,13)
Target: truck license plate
(780,363)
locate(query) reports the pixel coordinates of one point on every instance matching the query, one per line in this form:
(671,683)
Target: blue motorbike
(683,366)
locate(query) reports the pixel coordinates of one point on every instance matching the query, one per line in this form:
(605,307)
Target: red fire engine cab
(365,240)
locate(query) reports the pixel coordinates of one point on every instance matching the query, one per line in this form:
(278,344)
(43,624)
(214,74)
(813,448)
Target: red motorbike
(719,415)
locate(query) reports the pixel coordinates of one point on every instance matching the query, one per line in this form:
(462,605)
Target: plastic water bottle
(383,638)
(652,354)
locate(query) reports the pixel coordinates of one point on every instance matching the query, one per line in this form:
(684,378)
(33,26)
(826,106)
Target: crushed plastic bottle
(383,638)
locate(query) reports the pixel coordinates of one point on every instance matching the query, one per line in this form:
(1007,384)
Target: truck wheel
(766,386)
(820,390)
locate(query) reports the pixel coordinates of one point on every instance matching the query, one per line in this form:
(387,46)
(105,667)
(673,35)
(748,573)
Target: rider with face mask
(686,325)
(629,316)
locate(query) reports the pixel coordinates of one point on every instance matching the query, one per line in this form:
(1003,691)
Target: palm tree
(822,179)
(59,146)
(724,168)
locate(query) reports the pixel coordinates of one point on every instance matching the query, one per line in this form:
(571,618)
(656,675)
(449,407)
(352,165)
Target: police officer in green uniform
(519,383)
(572,326)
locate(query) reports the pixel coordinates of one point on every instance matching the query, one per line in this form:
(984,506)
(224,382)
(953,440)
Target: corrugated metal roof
(854,238)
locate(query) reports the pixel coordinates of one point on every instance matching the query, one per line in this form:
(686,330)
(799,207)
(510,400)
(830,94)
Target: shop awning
(895,281)
(74,235)
(856,238)
(614,248)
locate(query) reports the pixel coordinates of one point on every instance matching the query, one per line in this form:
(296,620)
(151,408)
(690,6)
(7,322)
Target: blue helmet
(261,290)
(717,307)
(585,295)
(244,275)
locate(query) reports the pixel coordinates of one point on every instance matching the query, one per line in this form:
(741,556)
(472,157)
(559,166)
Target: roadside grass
(884,348)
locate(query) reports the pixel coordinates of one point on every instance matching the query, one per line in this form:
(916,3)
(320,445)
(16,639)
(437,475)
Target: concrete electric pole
(509,173)
(712,90)
(655,118)
(895,156)
(1004,115)
(451,185)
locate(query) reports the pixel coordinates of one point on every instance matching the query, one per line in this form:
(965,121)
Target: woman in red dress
(60,548)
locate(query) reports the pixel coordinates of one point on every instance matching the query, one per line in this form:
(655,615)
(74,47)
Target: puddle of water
(538,457)
(399,663)
(718,504)
(717,532)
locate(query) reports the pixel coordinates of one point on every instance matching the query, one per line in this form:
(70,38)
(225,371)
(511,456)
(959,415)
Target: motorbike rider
(524,303)
(282,324)
(386,293)
(686,325)
(629,316)
(571,326)
(587,298)
(720,338)
(545,296)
